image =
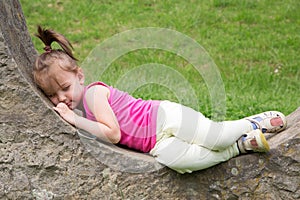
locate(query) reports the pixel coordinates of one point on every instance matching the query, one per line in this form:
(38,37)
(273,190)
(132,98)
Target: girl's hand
(65,112)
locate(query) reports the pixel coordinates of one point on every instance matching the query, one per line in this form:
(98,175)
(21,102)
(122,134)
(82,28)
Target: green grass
(254,43)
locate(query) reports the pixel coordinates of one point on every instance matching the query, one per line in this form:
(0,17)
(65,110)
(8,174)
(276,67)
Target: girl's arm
(97,101)
(106,127)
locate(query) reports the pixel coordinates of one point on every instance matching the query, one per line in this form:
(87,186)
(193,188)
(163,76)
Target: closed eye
(66,88)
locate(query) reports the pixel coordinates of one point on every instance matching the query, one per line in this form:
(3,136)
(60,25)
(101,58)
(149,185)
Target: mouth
(69,105)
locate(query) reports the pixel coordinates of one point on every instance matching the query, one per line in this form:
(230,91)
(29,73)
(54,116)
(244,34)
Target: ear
(80,75)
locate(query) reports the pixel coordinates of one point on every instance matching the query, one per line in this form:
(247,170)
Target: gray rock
(42,157)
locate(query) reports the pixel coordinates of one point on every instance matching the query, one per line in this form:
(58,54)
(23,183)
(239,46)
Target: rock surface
(42,157)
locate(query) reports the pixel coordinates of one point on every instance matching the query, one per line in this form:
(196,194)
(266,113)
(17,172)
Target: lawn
(253,43)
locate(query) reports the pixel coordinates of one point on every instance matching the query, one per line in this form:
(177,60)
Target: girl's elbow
(115,136)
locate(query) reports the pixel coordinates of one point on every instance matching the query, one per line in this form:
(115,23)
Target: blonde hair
(62,58)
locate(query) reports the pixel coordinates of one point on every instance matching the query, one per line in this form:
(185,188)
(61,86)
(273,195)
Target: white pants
(187,141)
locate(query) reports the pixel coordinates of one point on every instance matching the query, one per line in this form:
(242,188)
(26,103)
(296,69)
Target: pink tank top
(136,117)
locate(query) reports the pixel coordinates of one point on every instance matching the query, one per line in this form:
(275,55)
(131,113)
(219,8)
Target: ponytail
(48,36)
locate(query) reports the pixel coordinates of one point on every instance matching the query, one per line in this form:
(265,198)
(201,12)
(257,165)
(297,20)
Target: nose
(61,97)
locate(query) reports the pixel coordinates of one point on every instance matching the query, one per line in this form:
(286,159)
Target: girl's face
(66,87)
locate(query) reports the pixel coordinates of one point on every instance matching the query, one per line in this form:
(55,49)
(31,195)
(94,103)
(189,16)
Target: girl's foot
(254,141)
(269,122)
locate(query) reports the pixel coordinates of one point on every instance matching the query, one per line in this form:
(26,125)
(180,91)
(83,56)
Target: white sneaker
(254,141)
(263,121)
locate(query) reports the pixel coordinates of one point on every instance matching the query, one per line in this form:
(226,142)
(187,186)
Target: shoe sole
(263,143)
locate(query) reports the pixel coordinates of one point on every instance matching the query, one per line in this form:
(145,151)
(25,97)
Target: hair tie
(47,48)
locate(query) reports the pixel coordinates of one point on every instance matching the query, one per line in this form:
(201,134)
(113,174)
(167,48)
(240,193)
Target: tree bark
(42,157)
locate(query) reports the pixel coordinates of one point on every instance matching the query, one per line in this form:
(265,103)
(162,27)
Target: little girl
(177,136)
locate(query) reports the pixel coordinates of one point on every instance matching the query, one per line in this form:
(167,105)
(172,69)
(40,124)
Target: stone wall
(42,157)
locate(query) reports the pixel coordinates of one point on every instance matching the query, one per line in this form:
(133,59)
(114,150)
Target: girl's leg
(219,135)
(184,157)
(192,127)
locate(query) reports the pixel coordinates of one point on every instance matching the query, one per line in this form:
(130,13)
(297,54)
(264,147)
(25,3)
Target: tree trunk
(42,157)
